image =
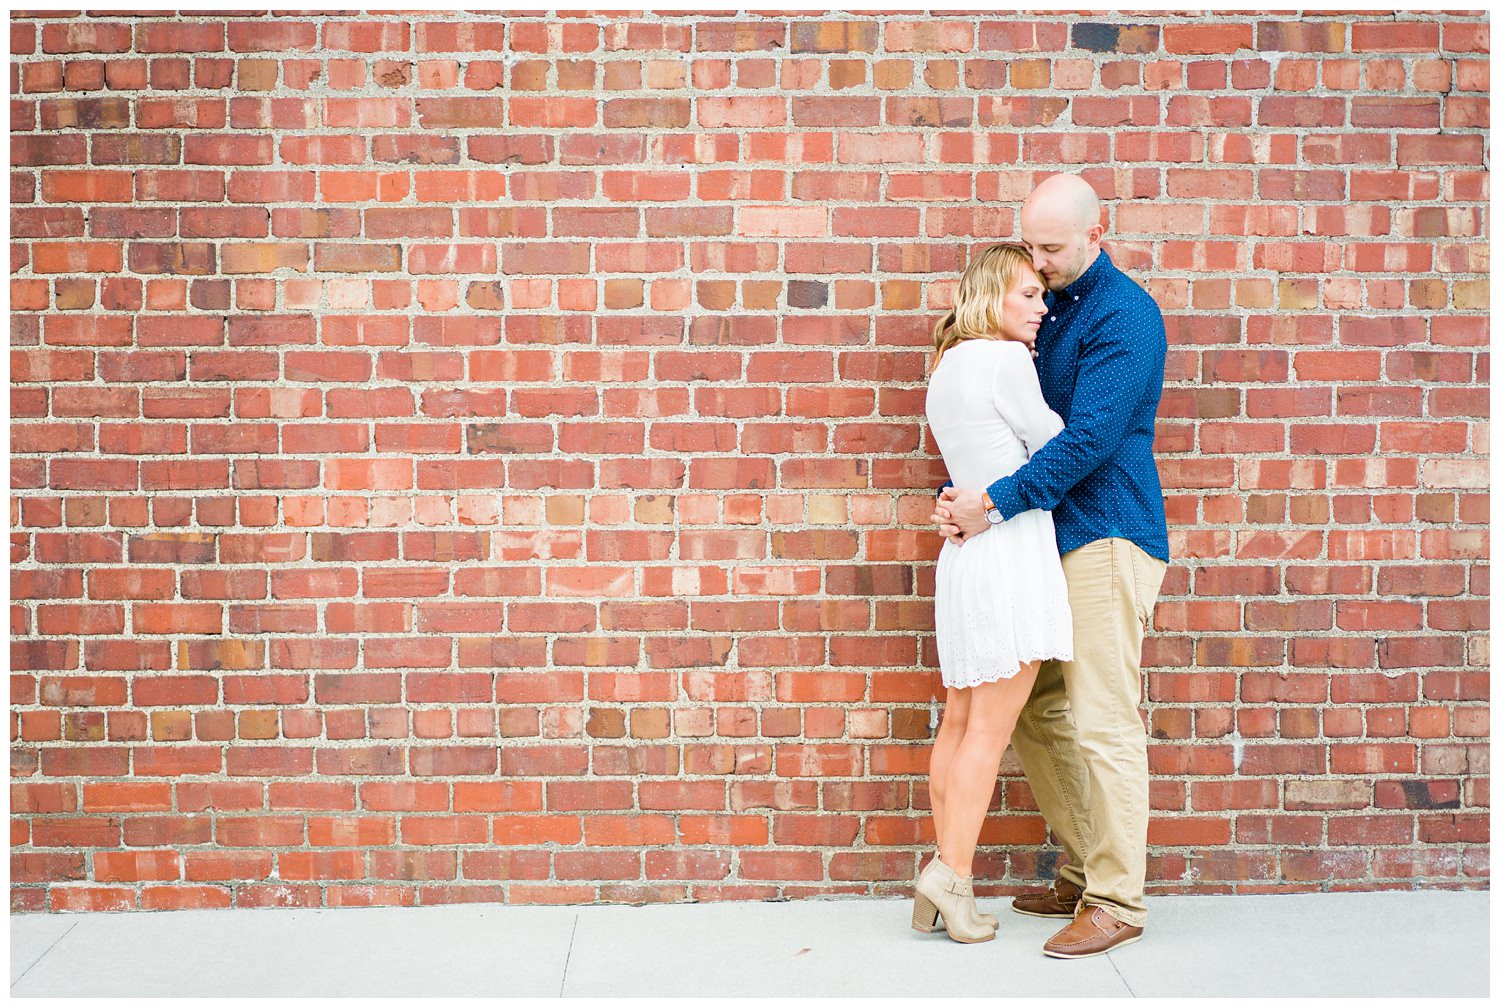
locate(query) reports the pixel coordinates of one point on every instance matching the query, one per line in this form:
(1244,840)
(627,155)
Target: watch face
(993,516)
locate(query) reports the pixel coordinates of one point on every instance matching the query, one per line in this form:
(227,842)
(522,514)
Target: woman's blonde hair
(981,292)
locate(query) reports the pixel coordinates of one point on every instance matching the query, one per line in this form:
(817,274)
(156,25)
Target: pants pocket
(1147,573)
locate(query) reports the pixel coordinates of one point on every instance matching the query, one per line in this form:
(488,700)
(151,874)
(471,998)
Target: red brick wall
(479,458)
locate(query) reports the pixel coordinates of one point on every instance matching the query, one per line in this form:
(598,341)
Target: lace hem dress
(1001,598)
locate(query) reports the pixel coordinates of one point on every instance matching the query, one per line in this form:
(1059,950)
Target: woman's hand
(959,514)
(955,515)
(943,519)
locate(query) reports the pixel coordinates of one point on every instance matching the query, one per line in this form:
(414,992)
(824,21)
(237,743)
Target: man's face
(1059,249)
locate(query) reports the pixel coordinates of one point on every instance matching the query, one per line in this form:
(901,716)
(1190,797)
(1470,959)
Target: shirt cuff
(1006,496)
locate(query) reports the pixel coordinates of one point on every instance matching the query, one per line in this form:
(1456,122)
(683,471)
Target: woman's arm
(1018,397)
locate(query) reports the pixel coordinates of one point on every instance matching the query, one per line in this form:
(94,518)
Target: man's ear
(1096,235)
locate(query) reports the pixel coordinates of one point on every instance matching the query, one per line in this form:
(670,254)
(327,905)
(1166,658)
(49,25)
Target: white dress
(1001,598)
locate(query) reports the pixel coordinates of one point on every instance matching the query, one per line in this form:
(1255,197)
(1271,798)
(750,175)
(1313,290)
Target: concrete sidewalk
(1370,944)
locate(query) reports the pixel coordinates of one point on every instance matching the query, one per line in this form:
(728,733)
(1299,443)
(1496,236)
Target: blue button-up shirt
(1101,358)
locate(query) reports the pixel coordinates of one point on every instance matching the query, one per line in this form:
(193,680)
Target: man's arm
(1115,373)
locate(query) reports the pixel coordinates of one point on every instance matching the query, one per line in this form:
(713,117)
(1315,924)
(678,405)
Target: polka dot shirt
(1101,358)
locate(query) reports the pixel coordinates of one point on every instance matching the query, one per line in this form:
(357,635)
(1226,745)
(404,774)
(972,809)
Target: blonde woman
(1001,601)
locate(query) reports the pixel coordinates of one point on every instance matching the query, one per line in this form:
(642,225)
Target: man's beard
(1060,282)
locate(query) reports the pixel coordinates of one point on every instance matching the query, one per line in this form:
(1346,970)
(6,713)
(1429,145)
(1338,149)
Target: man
(1101,354)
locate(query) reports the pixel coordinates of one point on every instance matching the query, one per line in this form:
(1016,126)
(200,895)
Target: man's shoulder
(1127,309)
(1129,316)
(1128,293)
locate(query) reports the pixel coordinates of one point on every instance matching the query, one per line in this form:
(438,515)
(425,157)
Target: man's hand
(960,514)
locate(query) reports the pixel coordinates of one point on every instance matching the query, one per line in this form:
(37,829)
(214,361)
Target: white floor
(1348,944)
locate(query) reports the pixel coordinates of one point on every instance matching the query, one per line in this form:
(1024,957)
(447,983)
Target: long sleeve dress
(1001,598)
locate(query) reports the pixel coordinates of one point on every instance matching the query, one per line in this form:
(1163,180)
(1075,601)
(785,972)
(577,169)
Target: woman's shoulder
(999,347)
(988,356)
(1009,354)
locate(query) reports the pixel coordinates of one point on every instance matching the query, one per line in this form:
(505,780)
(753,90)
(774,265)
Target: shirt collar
(1088,281)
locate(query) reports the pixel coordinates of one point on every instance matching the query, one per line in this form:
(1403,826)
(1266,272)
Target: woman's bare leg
(970,780)
(950,735)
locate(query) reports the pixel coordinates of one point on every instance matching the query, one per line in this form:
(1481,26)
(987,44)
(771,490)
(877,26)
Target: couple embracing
(1042,400)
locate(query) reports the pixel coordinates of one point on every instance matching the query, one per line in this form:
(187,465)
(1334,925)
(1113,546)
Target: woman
(1001,601)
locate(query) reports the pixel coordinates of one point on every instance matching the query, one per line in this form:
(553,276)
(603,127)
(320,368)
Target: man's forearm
(1047,476)
(1006,495)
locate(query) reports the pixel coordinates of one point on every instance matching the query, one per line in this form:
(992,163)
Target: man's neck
(1088,264)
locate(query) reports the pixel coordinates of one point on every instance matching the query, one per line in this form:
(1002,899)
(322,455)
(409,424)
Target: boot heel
(951,897)
(923,914)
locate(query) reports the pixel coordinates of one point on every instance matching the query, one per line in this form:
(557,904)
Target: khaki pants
(1080,739)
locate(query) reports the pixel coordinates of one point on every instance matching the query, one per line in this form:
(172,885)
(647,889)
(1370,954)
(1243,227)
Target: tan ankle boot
(942,892)
(989,920)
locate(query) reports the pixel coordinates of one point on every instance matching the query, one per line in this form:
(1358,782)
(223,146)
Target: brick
(1374,36)
(1196,40)
(1294,36)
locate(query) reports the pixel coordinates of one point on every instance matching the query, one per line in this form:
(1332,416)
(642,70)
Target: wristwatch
(991,512)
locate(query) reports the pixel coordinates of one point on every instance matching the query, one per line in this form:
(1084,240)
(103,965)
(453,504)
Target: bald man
(1101,353)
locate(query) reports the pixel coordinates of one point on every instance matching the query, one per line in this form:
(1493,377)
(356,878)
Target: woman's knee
(956,710)
(997,706)
(993,731)
(954,722)
(993,721)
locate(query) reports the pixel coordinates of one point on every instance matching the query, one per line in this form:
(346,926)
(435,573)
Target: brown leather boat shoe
(1059,901)
(1093,932)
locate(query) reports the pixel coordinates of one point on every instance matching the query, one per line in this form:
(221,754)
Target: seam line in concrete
(1116,967)
(39,958)
(561,986)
